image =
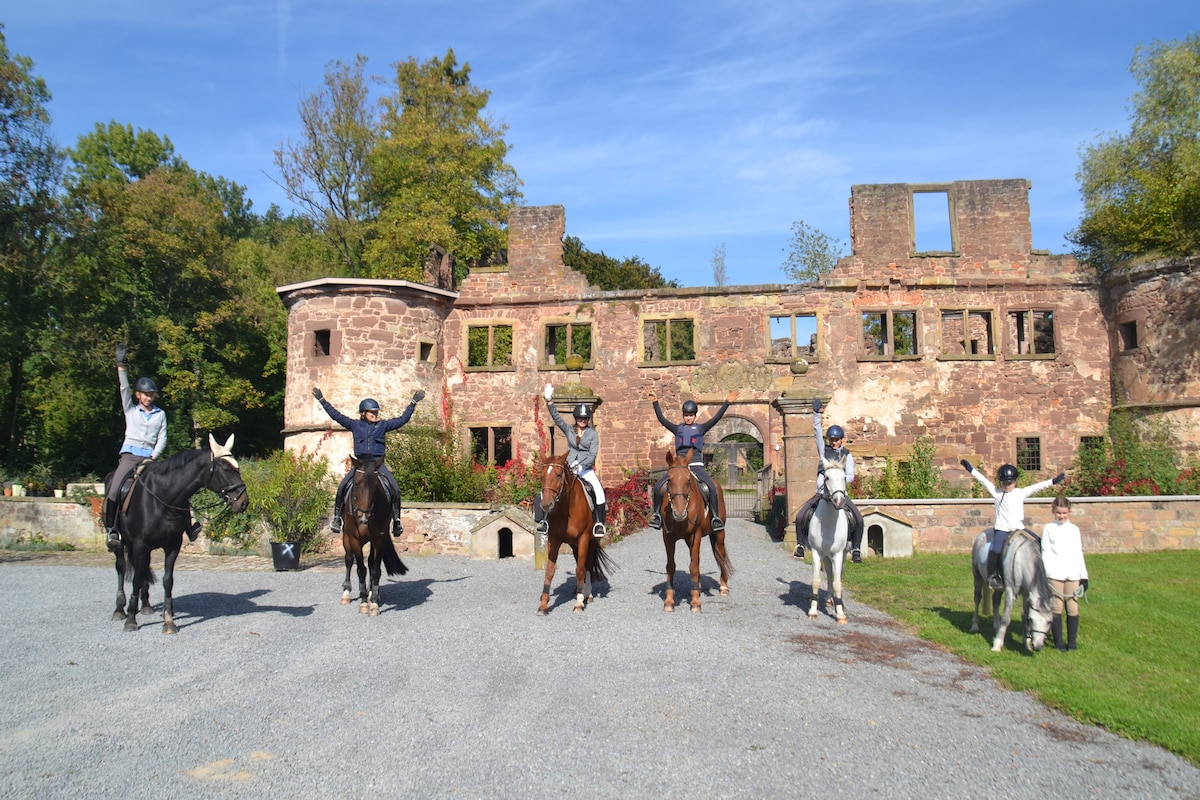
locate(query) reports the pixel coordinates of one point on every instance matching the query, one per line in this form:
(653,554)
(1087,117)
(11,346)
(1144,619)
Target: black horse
(157,513)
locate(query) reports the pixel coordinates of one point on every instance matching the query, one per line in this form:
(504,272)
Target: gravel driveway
(273,689)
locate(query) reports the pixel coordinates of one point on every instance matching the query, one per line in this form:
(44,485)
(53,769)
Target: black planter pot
(286,555)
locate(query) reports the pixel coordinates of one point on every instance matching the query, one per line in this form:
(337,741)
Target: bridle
(568,475)
(687,496)
(355,510)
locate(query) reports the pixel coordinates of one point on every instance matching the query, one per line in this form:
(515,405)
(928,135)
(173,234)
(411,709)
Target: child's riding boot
(397,527)
(1072,630)
(995,579)
(1057,633)
(598,516)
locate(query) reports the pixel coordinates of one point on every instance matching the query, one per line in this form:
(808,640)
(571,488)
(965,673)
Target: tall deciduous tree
(1141,190)
(324,173)
(812,253)
(718,265)
(30,171)
(438,172)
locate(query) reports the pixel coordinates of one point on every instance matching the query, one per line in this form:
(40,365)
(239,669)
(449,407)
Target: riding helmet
(690,407)
(1007,473)
(582,411)
(835,432)
(145,385)
(368,404)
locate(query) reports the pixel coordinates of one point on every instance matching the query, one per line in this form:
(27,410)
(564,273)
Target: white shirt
(1010,505)
(1062,551)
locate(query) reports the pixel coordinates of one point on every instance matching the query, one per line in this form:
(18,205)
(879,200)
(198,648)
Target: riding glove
(967,465)
(419,395)
(1059,478)
(816,405)
(120,355)
(317,394)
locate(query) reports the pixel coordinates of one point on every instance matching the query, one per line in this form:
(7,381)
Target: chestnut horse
(367,519)
(570,519)
(685,516)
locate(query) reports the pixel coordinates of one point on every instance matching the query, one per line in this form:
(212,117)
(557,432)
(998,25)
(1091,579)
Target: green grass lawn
(1137,669)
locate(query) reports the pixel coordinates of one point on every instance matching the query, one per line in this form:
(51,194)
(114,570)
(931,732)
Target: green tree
(438,173)
(325,172)
(610,273)
(812,253)
(1141,190)
(30,172)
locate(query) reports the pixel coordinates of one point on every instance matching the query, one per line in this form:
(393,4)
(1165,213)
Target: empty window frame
(667,341)
(563,339)
(1128,334)
(491,445)
(1031,332)
(426,352)
(793,336)
(490,346)
(967,332)
(321,343)
(1029,453)
(933,231)
(889,335)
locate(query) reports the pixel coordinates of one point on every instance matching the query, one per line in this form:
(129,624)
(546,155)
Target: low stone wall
(1108,524)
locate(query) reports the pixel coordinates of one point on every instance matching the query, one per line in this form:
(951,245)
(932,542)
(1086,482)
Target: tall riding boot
(995,579)
(1057,633)
(599,515)
(718,524)
(339,508)
(113,540)
(539,516)
(397,527)
(1072,630)
(656,517)
(856,541)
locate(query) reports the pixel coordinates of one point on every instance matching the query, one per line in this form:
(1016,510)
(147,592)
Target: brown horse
(570,519)
(367,519)
(685,516)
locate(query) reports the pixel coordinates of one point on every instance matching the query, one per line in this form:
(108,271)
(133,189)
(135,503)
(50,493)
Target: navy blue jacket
(369,439)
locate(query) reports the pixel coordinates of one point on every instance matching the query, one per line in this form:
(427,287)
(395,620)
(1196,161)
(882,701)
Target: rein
(568,475)
(225,494)
(687,496)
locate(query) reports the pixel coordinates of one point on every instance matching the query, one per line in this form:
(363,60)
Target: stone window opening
(793,336)
(426,352)
(564,339)
(668,341)
(967,332)
(321,343)
(1031,332)
(889,335)
(1029,453)
(490,347)
(491,444)
(933,231)
(1128,334)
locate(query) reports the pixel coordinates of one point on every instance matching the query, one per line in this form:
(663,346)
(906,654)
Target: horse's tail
(722,556)
(391,559)
(600,564)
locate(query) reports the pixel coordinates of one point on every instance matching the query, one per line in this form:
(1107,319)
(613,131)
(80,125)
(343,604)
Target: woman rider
(690,436)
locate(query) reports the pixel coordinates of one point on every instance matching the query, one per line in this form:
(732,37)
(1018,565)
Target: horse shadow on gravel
(799,593)
(565,593)
(710,585)
(200,607)
(961,620)
(404,595)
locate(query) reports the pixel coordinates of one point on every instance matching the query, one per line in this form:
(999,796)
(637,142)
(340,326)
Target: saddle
(125,491)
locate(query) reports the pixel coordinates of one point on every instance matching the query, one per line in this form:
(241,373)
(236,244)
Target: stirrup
(114,539)
(995,582)
(335,524)
(397,529)
(856,556)
(655,521)
(718,524)
(598,530)
(798,552)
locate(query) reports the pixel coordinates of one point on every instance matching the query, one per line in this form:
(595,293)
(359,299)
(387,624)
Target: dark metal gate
(732,465)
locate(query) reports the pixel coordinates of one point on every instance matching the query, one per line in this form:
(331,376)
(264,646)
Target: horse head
(680,483)
(555,476)
(835,480)
(225,476)
(363,488)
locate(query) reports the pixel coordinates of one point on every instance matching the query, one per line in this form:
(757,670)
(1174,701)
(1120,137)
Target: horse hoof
(842,621)
(696,608)
(131,625)
(362,608)
(578,609)
(996,648)
(667,607)
(724,591)
(345,601)
(541,612)
(374,611)
(812,615)
(118,615)
(170,627)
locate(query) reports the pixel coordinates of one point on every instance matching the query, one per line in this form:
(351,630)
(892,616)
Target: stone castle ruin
(994,351)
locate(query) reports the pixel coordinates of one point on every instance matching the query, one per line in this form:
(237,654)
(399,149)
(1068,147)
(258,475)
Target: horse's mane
(1042,581)
(179,461)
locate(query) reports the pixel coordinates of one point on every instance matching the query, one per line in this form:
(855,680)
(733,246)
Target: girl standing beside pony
(1062,554)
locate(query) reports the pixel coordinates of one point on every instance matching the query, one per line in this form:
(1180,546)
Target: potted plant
(291,494)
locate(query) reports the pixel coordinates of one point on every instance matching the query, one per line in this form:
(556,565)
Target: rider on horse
(583,447)
(145,437)
(369,443)
(1010,511)
(690,436)
(832,450)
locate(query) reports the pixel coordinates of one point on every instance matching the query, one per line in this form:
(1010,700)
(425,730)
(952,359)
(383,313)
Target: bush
(292,496)
(628,504)
(431,466)
(912,478)
(1134,459)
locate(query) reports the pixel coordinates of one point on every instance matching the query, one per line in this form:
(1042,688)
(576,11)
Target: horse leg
(835,582)
(669,600)
(818,559)
(168,584)
(694,569)
(551,565)
(376,576)
(581,554)
(979,595)
(140,556)
(119,614)
(363,587)
(349,563)
(1001,621)
(722,556)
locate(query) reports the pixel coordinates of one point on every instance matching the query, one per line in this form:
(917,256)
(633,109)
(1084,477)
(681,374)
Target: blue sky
(665,127)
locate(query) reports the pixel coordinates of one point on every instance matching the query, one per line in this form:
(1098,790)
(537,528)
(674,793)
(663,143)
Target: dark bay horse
(157,513)
(569,516)
(827,532)
(367,519)
(685,516)
(1024,575)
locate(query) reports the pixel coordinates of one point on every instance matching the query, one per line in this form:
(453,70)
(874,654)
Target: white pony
(827,532)
(1024,576)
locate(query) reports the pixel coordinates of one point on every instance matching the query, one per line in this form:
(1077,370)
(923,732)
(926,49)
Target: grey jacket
(582,450)
(145,432)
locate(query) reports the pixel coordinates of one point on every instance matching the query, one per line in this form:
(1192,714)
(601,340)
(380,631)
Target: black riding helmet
(1007,473)
(690,407)
(145,385)
(368,404)
(582,411)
